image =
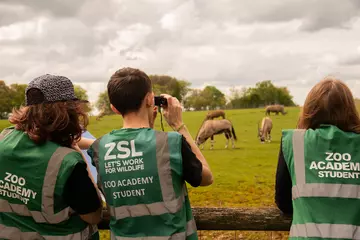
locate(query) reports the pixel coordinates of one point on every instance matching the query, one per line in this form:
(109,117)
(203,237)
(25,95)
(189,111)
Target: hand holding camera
(160,101)
(172,110)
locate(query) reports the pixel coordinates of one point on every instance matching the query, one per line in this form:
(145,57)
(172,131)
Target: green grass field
(243,177)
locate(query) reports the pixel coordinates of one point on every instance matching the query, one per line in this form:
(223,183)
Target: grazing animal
(101,114)
(276,109)
(264,132)
(215,114)
(209,128)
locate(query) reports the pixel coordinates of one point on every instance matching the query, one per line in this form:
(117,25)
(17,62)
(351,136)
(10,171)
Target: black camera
(160,101)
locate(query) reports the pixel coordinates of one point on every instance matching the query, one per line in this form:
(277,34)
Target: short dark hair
(127,89)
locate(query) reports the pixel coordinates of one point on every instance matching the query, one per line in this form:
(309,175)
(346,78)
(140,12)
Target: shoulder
(69,154)
(287,134)
(68,159)
(7,131)
(95,145)
(172,135)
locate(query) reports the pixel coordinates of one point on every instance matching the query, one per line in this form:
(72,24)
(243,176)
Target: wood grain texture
(245,219)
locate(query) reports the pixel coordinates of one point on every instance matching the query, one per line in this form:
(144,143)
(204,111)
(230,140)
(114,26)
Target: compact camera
(160,101)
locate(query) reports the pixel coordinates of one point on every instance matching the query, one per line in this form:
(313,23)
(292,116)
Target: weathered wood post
(243,219)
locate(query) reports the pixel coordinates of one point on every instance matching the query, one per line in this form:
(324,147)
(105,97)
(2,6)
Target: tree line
(264,93)
(208,98)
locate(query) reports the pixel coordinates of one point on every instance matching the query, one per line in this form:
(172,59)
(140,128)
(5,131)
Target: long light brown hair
(330,102)
(60,122)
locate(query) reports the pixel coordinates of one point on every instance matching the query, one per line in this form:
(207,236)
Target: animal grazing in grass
(209,128)
(264,132)
(275,109)
(215,114)
(100,115)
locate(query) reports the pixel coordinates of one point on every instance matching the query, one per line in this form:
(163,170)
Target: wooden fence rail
(244,219)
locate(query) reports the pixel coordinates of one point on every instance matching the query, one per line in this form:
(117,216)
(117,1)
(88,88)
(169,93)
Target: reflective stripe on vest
(46,215)
(303,189)
(96,160)
(190,229)
(171,204)
(4,133)
(324,230)
(326,190)
(15,234)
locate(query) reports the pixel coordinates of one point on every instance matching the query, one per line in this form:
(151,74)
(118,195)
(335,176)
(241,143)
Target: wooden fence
(243,219)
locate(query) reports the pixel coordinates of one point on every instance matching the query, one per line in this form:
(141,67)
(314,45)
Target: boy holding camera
(141,171)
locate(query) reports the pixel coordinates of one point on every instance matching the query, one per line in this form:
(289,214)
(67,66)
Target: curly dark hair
(59,122)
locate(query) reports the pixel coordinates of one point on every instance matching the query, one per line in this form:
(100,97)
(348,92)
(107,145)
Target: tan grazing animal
(101,114)
(209,128)
(275,109)
(215,114)
(264,132)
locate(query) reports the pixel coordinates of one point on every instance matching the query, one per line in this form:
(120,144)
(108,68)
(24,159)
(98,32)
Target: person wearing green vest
(46,191)
(142,171)
(318,173)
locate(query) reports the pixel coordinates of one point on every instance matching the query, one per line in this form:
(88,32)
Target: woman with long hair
(318,172)
(46,190)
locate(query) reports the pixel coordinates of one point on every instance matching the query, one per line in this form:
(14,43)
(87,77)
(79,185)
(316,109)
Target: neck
(136,120)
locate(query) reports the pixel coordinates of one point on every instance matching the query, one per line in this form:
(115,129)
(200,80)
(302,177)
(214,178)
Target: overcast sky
(294,43)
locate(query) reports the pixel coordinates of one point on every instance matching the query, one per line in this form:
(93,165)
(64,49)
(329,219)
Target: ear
(114,109)
(149,99)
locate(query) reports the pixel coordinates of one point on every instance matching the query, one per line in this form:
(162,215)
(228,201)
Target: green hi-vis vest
(324,165)
(32,179)
(140,172)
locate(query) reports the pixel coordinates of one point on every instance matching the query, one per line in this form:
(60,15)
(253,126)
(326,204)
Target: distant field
(243,177)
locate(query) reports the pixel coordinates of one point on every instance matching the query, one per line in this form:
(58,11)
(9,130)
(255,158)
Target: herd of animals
(212,126)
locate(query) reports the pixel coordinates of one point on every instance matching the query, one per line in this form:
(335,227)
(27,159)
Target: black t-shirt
(283,185)
(80,193)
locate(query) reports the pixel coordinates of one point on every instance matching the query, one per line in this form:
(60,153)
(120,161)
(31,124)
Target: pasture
(243,177)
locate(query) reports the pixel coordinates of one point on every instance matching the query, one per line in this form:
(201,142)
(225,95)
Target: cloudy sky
(224,43)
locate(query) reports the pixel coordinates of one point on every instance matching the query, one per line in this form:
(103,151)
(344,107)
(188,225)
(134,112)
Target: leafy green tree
(214,97)
(80,92)
(264,93)
(208,98)
(17,92)
(170,85)
(195,100)
(5,100)
(103,104)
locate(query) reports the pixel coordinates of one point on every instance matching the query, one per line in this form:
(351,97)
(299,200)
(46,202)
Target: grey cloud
(222,43)
(315,14)
(351,61)
(58,8)
(14,13)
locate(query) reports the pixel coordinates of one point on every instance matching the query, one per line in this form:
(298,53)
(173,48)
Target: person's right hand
(173,111)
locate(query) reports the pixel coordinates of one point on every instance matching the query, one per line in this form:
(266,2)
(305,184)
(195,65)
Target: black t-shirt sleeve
(79,192)
(192,167)
(283,186)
